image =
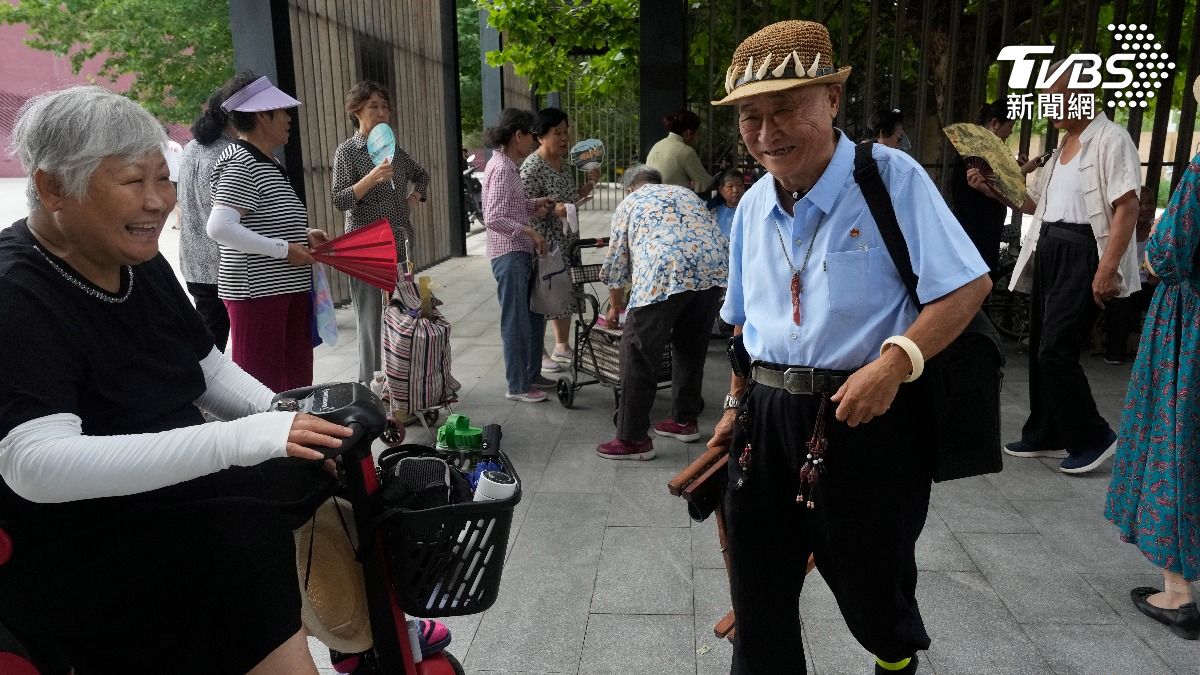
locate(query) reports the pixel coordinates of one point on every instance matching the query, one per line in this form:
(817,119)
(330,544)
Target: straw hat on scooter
(334,603)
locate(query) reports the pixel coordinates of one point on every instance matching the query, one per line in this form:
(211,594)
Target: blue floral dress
(1154,496)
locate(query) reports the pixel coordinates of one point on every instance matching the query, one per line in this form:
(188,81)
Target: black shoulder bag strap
(866,174)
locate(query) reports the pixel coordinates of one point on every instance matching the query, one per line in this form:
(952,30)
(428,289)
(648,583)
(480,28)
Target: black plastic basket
(447,561)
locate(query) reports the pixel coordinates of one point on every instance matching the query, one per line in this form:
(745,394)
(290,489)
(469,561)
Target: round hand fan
(588,155)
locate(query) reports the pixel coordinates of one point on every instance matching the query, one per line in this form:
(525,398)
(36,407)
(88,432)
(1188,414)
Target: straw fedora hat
(781,56)
(334,604)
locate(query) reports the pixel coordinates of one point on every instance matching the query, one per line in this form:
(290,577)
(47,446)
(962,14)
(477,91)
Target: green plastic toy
(457,433)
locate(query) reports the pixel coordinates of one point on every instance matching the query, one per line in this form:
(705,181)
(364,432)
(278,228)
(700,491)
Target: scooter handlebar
(349,404)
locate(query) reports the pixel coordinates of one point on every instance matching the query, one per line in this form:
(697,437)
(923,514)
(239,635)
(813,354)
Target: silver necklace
(88,289)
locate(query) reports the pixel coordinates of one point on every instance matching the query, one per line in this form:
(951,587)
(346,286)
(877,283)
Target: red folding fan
(368,253)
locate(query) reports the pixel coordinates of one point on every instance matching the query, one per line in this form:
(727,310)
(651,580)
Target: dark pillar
(663,66)
(491,79)
(453,127)
(1162,108)
(262,42)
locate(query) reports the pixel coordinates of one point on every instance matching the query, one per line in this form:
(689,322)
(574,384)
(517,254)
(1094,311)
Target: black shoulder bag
(962,383)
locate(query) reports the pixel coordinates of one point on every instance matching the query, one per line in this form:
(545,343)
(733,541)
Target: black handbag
(962,383)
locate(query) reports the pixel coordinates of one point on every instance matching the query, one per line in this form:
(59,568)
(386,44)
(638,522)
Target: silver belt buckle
(793,377)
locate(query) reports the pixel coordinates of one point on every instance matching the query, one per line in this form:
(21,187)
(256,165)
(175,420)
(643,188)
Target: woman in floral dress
(1154,496)
(546,175)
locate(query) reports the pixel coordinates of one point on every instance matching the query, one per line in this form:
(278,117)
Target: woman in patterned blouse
(366,193)
(544,176)
(199,256)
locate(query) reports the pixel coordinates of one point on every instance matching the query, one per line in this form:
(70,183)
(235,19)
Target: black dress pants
(869,508)
(683,319)
(1120,317)
(1062,412)
(212,310)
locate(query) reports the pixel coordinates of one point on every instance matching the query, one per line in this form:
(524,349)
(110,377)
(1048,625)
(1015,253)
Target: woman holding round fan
(546,174)
(366,192)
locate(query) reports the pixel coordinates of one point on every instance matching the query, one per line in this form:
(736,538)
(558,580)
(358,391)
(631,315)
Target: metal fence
(616,123)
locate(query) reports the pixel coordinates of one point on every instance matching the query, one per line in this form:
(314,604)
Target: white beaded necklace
(88,289)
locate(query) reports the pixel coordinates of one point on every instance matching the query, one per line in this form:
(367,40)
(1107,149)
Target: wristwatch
(732,401)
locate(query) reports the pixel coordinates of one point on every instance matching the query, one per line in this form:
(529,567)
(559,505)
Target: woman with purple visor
(262,226)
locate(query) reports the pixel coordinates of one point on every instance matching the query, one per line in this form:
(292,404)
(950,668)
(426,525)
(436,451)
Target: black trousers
(212,310)
(194,578)
(1062,411)
(869,509)
(683,319)
(1120,315)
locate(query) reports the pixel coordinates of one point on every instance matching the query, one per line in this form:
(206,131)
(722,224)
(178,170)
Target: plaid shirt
(506,209)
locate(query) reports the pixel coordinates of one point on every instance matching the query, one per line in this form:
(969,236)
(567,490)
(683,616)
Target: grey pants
(368,314)
(685,320)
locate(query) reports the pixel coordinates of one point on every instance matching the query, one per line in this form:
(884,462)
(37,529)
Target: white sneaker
(549,365)
(531,396)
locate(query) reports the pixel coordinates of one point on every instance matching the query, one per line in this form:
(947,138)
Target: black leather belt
(799,380)
(1079,233)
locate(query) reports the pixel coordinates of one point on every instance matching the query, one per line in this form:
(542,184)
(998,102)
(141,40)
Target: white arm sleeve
(225,226)
(49,460)
(229,391)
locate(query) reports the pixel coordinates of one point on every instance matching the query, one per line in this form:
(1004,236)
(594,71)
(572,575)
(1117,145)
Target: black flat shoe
(1184,622)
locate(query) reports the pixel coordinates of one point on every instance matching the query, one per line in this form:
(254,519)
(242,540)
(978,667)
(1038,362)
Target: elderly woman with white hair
(667,243)
(143,540)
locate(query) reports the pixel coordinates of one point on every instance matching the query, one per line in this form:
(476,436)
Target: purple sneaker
(619,449)
(688,433)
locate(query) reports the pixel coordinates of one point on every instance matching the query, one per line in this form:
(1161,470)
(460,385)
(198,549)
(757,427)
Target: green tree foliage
(177,51)
(470,88)
(590,43)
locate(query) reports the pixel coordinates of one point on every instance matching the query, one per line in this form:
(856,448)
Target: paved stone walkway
(1020,573)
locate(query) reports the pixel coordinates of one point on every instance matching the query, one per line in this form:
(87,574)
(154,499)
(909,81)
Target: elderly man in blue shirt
(825,438)
(664,241)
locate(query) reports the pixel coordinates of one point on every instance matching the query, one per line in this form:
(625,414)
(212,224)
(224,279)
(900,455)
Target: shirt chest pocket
(854,279)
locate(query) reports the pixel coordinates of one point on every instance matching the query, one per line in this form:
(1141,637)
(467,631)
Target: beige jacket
(679,164)
(1109,167)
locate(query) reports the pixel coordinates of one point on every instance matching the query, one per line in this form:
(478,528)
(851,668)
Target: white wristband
(910,348)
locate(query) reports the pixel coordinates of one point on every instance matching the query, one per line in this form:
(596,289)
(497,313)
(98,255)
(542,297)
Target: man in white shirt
(1077,256)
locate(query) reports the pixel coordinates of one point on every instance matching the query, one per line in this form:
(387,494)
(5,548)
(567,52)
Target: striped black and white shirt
(245,178)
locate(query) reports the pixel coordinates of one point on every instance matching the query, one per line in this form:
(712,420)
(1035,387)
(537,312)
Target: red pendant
(797,287)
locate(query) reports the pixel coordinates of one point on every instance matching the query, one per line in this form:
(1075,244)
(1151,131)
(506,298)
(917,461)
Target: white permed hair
(639,174)
(68,133)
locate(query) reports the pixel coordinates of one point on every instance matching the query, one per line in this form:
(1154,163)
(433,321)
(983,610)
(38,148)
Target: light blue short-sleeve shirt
(852,298)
